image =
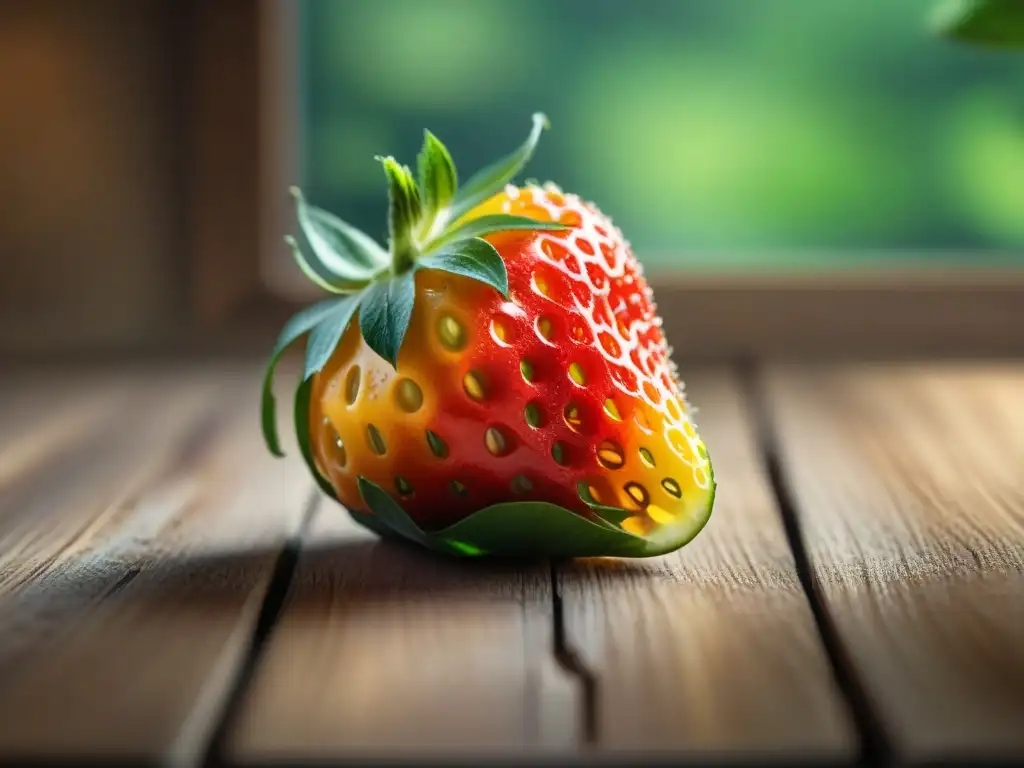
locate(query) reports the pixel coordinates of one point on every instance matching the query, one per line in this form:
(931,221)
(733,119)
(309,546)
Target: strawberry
(497,381)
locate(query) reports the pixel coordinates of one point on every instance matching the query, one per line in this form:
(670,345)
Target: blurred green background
(721,134)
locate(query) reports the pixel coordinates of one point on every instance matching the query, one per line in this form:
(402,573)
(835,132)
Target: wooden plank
(48,413)
(124,620)
(386,650)
(40,417)
(711,648)
(908,486)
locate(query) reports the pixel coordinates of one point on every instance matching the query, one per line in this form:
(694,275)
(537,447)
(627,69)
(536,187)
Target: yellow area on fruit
(656,479)
(643,454)
(384,418)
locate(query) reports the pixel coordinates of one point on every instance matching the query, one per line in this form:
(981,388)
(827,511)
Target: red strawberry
(510,352)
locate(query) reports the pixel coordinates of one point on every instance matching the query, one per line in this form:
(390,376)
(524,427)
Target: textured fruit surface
(566,383)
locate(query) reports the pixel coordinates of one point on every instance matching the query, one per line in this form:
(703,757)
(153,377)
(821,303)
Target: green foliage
(699,127)
(438,177)
(989,23)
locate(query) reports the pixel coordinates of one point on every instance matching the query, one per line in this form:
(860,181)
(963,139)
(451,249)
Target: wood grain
(909,488)
(40,417)
(386,650)
(132,575)
(712,647)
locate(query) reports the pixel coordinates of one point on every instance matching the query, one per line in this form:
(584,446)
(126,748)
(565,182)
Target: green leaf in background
(344,259)
(298,325)
(324,337)
(491,179)
(474,258)
(989,23)
(384,314)
(302,399)
(497,222)
(437,176)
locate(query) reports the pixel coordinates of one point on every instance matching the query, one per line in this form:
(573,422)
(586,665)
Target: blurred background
(717,134)
(146,145)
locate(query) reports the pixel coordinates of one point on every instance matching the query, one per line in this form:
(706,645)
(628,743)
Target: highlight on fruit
(495,380)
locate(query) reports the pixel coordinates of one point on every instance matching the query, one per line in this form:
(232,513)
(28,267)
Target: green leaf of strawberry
(326,334)
(475,258)
(384,314)
(529,529)
(297,326)
(497,222)
(532,529)
(613,516)
(403,214)
(343,258)
(301,414)
(491,179)
(391,515)
(438,178)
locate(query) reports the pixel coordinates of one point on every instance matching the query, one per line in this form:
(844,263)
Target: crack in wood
(124,581)
(874,742)
(571,662)
(271,608)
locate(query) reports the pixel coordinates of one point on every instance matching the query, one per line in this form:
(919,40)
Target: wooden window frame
(838,314)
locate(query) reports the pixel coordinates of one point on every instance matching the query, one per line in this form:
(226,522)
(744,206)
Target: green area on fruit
(531,529)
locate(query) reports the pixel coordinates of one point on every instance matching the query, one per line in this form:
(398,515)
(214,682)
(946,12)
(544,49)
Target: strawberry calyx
(425,231)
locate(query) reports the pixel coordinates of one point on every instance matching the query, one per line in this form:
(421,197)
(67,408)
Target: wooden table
(170,591)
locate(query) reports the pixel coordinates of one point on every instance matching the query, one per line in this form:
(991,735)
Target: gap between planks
(258,636)
(874,743)
(906,479)
(386,651)
(160,507)
(831,733)
(873,740)
(259,706)
(714,648)
(273,606)
(269,612)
